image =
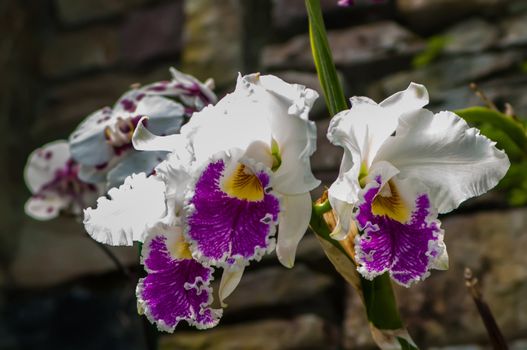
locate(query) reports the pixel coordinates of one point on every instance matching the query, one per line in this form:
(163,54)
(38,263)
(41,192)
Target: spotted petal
(176,287)
(43,164)
(231,213)
(45,206)
(453,160)
(88,144)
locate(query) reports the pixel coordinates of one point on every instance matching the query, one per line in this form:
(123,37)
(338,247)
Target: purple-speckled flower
(236,170)
(231,213)
(51,176)
(402,166)
(266,120)
(102,144)
(176,287)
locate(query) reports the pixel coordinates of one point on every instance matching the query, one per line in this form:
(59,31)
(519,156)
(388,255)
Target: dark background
(62,59)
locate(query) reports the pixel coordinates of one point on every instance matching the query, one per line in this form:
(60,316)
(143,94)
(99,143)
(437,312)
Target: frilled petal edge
(125,214)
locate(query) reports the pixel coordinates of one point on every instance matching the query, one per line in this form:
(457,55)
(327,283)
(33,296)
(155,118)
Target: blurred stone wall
(62,59)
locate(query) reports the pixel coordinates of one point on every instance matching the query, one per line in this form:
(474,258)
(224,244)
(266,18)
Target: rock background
(62,59)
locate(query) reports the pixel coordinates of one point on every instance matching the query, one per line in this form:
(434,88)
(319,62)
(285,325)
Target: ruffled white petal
(293,222)
(229,281)
(453,160)
(128,211)
(43,164)
(177,176)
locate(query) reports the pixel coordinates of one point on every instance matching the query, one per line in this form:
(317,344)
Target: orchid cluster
(235,172)
(68,176)
(233,183)
(208,187)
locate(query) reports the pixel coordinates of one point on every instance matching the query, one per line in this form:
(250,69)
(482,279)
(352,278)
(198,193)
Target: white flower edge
(127,212)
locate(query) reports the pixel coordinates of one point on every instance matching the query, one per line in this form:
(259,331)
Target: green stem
(379,299)
(327,73)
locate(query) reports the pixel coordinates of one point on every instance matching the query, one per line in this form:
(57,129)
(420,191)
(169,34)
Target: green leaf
(513,128)
(327,74)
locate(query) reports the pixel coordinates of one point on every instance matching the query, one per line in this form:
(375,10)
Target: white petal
(43,164)
(205,88)
(362,130)
(442,261)
(144,140)
(165,116)
(127,103)
(47,207)
(346,187)
(344,212)
(287,108)
(453,160)
(134,163)
(94,175)
(87,143)
(176,175)
(414,97)
(229,281)
(235,122)
(292,224)
(128,212)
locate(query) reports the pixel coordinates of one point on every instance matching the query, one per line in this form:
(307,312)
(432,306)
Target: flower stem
(496,337)
(327,73)
(120,267)
(377,295)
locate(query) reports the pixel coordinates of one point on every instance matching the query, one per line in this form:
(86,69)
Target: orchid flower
(51,176)
(237,170)
(402,166)
(102,143)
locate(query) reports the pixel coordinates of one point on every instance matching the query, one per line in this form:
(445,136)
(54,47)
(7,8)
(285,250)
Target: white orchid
(237,170)
(102,144)
(402,166)
(52,177)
